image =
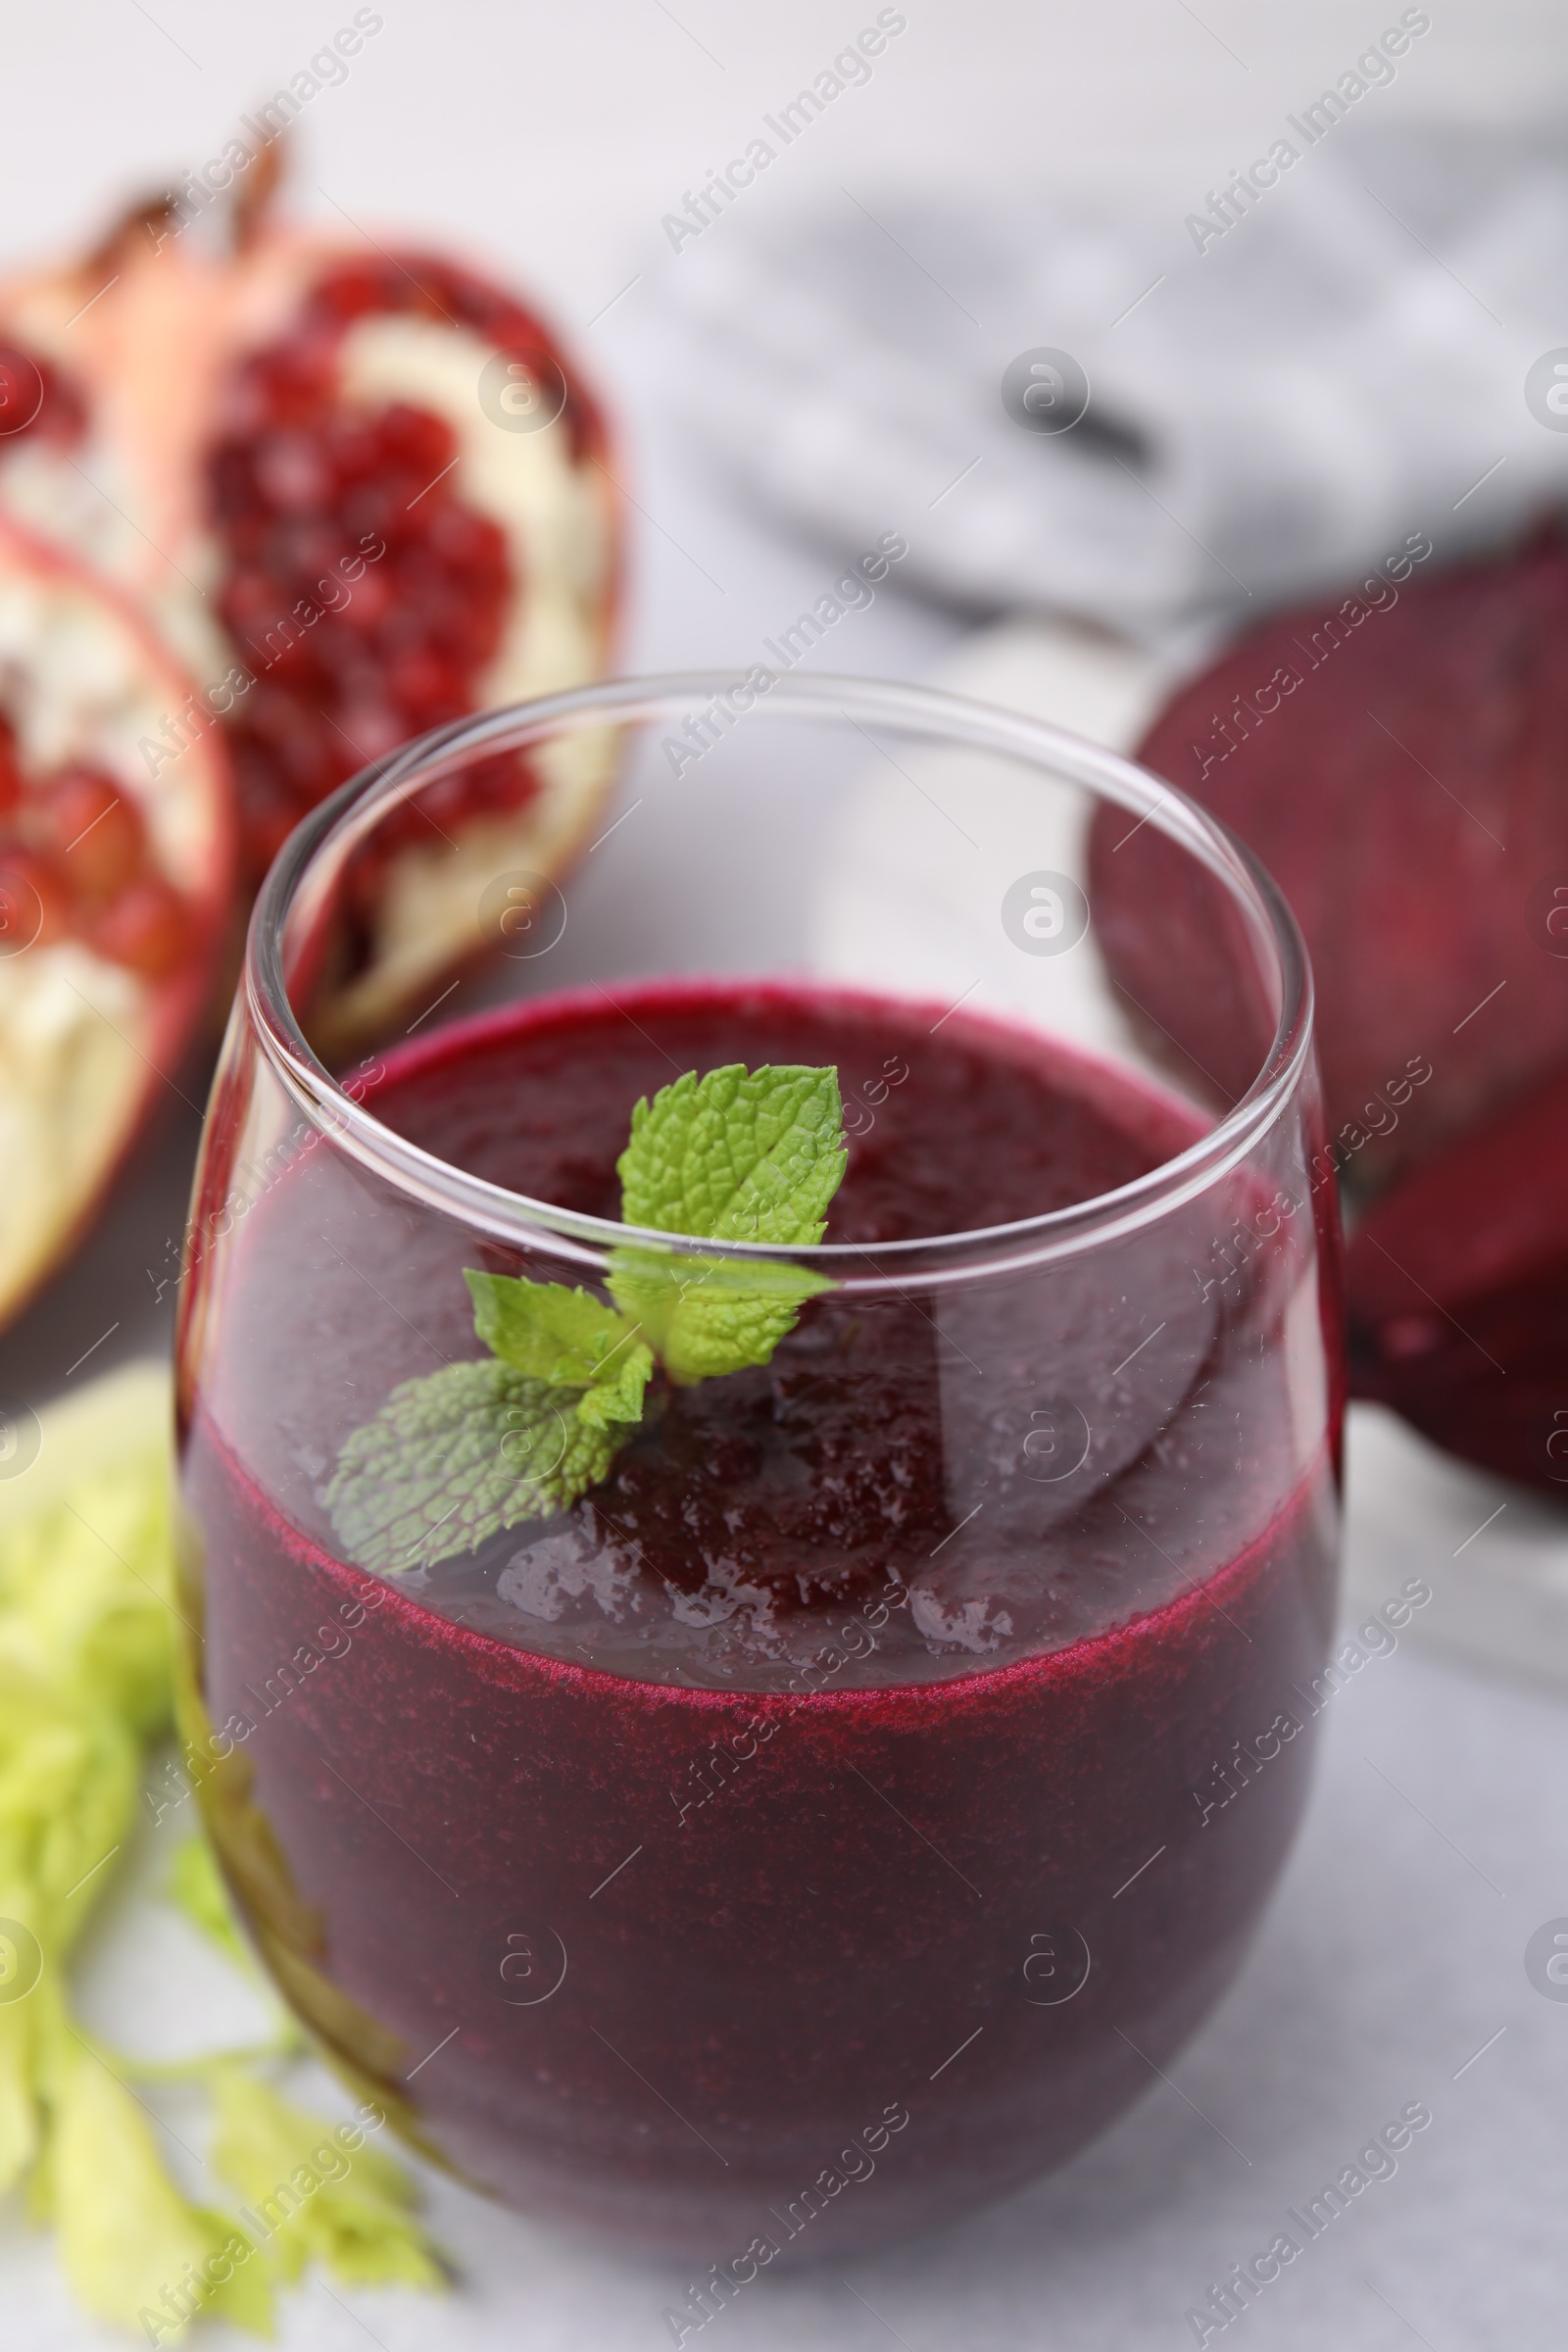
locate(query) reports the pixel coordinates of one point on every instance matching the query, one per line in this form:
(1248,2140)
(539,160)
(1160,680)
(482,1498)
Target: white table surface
(1437,1841)
(1390,1971)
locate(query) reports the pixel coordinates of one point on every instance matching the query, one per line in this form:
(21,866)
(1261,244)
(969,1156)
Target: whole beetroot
(1400,762)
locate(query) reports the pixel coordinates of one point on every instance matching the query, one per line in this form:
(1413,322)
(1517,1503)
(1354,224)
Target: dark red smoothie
(834,1818)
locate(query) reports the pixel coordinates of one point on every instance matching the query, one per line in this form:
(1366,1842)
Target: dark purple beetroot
(1458,1294)
(1398,760)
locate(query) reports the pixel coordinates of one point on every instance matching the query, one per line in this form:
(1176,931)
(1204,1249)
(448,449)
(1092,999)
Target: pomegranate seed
(463,540)
(92,831)
(416,438)
(305,548)
(375,728)
(33,903)
(231,477)
(265,791)
(35,397)
(248,602)
(425,677)
(348,292)
(146,929)
(313,764)
(10,771)
(373,509)
(369,600)
(290,472)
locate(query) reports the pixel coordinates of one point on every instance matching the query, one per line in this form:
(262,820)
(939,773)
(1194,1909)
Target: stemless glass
(839,1819)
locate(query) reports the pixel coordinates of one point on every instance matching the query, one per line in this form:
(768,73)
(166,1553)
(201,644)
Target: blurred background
(999,292)
(817,358)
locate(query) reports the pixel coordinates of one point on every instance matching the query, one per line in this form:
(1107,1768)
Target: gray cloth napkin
(1364,351)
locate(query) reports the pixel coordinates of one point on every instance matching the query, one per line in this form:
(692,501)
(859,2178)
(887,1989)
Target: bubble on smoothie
(544,1576)
(722,1597)
(969,1624)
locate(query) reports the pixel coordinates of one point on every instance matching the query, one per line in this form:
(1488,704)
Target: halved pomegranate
(366,495)
(114,894)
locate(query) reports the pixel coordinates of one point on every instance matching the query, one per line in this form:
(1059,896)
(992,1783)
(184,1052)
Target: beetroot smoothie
(835,1817)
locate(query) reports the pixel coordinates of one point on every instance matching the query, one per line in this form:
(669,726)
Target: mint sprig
(455,1457)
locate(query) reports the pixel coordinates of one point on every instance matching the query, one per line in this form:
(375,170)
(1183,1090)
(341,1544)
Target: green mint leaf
(568,1337)
(617,1393)
(708,1316)
(453,1458)
(736,1155)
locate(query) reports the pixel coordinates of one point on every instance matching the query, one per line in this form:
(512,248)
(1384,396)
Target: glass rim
(354,809)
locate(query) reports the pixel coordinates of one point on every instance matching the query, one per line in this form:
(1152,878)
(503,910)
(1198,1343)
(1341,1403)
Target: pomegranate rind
(86,1045)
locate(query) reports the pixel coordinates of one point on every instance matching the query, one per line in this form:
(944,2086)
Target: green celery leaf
(21,2054)
(128,2240)
(68,1772)
(321,2189)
